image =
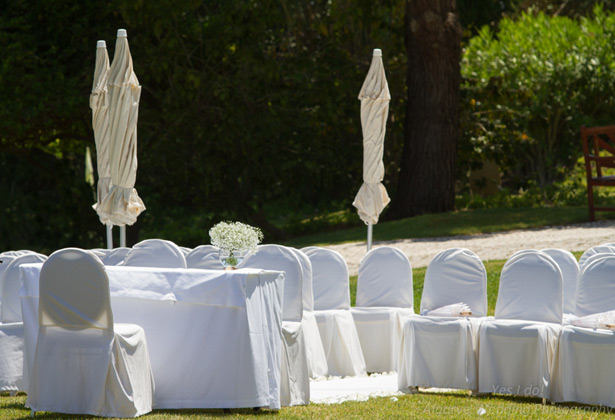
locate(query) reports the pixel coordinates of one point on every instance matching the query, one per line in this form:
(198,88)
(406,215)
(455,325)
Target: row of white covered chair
(527,348)
(324,335)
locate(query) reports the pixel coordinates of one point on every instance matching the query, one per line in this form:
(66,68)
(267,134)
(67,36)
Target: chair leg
(590,203)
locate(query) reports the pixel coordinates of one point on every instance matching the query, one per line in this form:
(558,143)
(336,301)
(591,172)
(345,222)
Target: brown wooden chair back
(599,153)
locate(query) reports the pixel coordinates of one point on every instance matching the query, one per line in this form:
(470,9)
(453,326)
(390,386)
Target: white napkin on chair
(455,309)
(602,320)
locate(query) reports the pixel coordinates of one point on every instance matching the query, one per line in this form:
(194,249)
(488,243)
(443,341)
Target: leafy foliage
(248,110)
(530,87)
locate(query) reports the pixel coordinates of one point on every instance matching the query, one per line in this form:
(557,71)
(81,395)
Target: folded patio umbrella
(374,96)
(99,102)
(122,205)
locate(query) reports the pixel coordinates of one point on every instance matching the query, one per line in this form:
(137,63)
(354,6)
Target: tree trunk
(433,45)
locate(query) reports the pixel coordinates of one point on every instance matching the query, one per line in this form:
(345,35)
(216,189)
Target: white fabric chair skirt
(584,371)
(12,362)
(380,334)
(340,342)
(101,358)
(384,295)
(294,375)
(315,353)
(516,357)
(316,358)
(452,341)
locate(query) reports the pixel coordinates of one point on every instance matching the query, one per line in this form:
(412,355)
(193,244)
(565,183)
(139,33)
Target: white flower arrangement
(235,236)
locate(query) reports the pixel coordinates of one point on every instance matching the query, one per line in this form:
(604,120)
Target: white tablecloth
(214,337)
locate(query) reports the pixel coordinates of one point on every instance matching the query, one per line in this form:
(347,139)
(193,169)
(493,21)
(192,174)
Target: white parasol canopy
(122,205)
(99,102)
(372,197)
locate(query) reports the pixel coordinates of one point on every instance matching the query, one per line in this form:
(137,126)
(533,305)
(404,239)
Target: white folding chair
(570,272)
(317,360)
(155,253)
(598,249)
(332,310)
(295,378)
(13,372)
(384,298)
(516,349)
(583,369)
(84,364)
(115,256)
(204,256)
(442,351)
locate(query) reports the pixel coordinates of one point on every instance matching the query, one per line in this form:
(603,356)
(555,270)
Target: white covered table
(214,337)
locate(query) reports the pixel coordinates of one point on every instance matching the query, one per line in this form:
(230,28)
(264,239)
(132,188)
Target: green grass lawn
(425,405)
(469,222)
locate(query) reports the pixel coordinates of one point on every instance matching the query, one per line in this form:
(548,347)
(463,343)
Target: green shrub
(529,87)
(571,191)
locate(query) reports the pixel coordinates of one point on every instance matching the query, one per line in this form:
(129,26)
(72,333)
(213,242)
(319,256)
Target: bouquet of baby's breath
(235,236)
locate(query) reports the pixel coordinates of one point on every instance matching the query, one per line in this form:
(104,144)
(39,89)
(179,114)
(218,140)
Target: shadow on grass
(216,412)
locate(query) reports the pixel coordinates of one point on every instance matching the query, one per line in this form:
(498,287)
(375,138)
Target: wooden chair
(599,152)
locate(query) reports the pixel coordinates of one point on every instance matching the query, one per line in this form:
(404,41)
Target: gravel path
(491,246)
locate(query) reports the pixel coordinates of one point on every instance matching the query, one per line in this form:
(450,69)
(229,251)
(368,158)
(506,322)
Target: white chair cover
(116,256)
(12,363)
(442,352)
(14,253)
(84,364)
(455,275)
(330,279)
(155,253)
(6,258)
(598,249)
(517,348)
(384,297)
(317,360)
(306,249)
(332,309)
(295,378)
(570,271)
(185,250)
(281,258)
(583,369)
(588,262)
(100,252)
(593,289)
(11,304)
(385,279)
(13,370)
(204,256)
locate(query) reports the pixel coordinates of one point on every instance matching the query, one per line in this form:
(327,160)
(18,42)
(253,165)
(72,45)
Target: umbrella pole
(109,236)
(369,236)
(123,235)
